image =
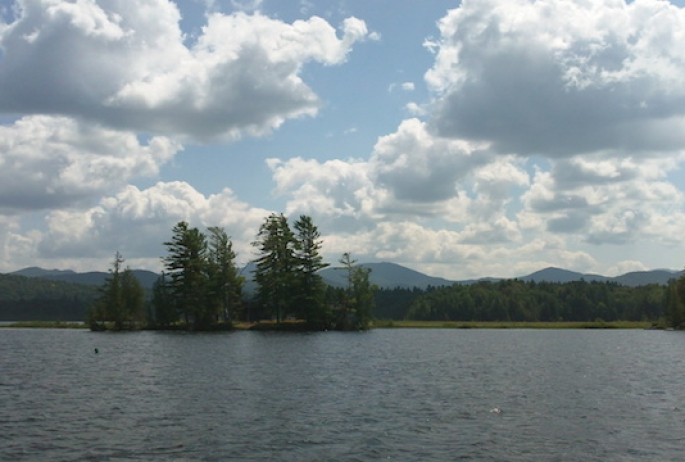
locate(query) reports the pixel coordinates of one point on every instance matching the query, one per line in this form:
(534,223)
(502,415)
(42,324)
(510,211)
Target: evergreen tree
(312,290)
(224,283)
(675,308)
(121,301)
(133,299)
(275,265)
(165,312)
(186,266)
(359,303)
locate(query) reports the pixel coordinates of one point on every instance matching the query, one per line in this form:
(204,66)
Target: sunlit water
(403,395)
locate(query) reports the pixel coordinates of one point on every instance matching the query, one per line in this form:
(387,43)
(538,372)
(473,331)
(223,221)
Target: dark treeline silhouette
(515,300)
(202,289)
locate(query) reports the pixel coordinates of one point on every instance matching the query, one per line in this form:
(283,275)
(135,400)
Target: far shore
(514,325)
(386,324)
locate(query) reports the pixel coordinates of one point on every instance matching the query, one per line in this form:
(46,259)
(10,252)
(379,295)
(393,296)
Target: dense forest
(514,300)
(30,299)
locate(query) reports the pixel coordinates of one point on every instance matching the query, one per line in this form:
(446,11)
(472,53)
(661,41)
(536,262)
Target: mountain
(35,272)
(632,279)
(387,276)
(552,274)
(641,278)
(94,278)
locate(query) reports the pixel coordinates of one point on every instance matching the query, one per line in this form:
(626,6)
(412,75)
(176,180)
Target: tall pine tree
(311,289)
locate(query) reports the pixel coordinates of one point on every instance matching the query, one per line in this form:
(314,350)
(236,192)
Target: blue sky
(481,138)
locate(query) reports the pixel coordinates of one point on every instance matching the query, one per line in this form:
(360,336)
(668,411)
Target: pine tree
(165,312)
(357,312)
(224,283)
(311,289)
(121,301)
(675,308)
(275,266)
(185,265)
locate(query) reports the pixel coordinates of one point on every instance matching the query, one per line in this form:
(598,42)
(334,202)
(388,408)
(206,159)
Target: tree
(224,283)
(312,290)
(675,308)
(133,299)
(275,265)
(185,265)
(165,311)
(121,301)
(358,306)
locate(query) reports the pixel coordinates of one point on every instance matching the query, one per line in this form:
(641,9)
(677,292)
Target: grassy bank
(381,324)
(513,325)
(47,325)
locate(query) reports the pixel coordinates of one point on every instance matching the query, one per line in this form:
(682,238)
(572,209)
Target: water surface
(403,395)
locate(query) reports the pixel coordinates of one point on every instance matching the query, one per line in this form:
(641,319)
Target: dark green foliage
(311,289)
(164,311)
(121,302)
(224,285)
(675,303)
(518,301)
(185,265)
(357,301)
(275,267)
(203,288)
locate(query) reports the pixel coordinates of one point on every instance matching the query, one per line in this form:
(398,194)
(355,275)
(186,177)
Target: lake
(387,394)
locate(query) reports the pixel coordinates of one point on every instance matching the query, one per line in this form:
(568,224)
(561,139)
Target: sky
(460,139)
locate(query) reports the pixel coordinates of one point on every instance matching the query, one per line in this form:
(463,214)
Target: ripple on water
(401,395)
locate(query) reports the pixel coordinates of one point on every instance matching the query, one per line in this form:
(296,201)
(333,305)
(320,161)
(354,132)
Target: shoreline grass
(46,325)
(511,325)
(385,324)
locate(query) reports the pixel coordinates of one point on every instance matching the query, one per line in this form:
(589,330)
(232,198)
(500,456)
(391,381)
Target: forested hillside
(30,299)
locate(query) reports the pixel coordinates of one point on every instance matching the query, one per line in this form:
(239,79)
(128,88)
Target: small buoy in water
(96,351)
(496,410)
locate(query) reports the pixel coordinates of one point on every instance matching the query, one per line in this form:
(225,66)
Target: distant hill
(387,276)
(562,276)
(95,278)
(25,298)
(632,279)
(35,272)
(641,278)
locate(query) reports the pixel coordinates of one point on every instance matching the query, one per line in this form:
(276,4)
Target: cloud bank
(132,68)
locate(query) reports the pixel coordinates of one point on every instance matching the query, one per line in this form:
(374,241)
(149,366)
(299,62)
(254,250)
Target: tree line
(516,300)
(201,287)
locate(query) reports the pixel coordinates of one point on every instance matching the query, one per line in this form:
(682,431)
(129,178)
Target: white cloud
(416,166)
(137,222)
(606,201)
(415,109)
(408,86)
(48,162)
(562,78)
(129,67)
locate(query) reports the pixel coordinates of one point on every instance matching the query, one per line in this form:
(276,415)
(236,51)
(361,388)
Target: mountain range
(384,275)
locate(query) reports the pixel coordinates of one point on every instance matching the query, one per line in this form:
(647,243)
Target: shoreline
(382,324)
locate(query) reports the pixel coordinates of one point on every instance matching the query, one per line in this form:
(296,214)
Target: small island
(201,288)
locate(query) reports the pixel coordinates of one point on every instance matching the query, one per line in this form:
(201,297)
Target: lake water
(400,395)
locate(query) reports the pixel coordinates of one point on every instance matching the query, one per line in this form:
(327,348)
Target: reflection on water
(406,395)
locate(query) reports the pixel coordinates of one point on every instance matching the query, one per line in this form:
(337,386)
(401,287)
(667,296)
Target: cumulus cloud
(561,78)
(606,201)
(416,166)
(130,68)
(137,222)
(48,162)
